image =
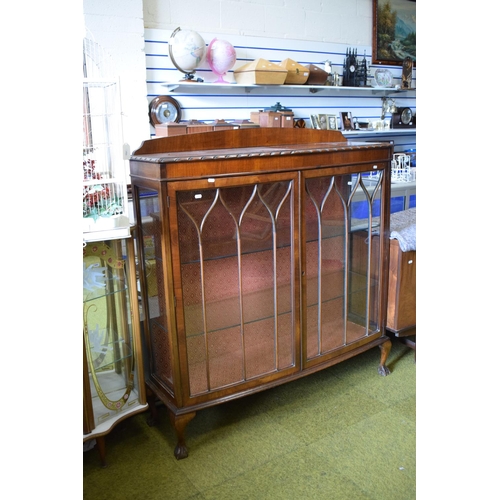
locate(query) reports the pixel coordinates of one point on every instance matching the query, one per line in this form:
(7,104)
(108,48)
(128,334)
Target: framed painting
(394,31)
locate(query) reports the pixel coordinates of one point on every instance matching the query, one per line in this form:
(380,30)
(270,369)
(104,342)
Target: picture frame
(322,122)
(390,45)
(332,122)
(346,120)
(314,121)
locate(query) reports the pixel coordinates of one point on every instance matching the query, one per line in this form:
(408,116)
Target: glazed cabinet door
(341,262)
(235,269)
(232,246)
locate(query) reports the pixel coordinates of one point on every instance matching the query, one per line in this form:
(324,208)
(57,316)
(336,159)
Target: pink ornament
(221,57)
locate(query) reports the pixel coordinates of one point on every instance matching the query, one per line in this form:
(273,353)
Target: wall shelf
(328,99)
(385,132)
(187,86)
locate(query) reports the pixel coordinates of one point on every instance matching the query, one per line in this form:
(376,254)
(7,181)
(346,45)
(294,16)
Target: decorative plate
(383,78)
(164,109)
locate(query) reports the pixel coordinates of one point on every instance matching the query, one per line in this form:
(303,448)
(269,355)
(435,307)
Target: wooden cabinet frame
(250,274)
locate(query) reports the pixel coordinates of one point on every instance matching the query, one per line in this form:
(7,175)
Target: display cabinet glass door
(236,254)
(341,304)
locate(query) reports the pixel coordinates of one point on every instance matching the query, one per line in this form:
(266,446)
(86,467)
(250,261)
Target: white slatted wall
(209,104)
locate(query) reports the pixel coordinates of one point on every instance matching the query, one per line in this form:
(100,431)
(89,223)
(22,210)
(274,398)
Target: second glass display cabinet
(255,269)
(113,380)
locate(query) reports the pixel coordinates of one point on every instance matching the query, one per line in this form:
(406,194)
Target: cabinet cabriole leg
(153,410)
(385,349)
(179,422)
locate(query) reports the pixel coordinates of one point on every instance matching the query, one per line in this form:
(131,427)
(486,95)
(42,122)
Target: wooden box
(246,124)
(317,76)
(195,126)
(297,74)
(224,125)
(286,119)
(170,129)
(266,118)
(260,72)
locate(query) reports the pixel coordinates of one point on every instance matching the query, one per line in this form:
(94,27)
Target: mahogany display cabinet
(254,269)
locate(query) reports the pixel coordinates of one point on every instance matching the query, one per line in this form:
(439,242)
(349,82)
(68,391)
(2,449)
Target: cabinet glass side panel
(153,300)
(108,331)
(341,267)
(237,269)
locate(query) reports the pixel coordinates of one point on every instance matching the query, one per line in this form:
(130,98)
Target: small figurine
(407,74)
(328,69)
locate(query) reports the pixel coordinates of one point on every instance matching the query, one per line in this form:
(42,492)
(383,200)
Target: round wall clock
(164,109)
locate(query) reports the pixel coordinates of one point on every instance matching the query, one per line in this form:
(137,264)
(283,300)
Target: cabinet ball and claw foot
(179,423)
(385,349)
(255,269)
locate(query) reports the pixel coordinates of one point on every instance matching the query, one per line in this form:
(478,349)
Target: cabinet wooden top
(250,151)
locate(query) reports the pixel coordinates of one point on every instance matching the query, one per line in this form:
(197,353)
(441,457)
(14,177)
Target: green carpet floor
(343,433)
